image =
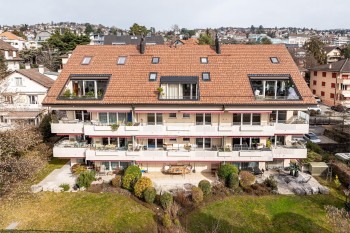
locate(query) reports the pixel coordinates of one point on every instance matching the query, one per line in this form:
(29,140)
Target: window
(345,76)
(86,61)
(121,60)
(186,139)
(155,118)
(8,99)
(322,93)
(155,60)
(314,82)
(19,81)
(203,119)
(85,88)
(204,143)
(273,88)
(172,115)
(204,60)
(334,75)
(278,116)
(153,76)
(324,74)
(332,95)
(315,73)
(237,119)
(112,118)
(173,140)
(206,76)
(332,85)
(323,84)
(186,115)
(274,60)
(314,92)
(33,99)
(179,87)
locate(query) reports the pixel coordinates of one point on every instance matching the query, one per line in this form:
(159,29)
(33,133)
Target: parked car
(340,108)
(315,108)
(318,100)
(311,137)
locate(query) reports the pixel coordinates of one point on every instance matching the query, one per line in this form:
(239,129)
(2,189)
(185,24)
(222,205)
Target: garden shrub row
(342,171)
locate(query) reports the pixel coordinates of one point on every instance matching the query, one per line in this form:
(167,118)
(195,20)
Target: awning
(346,94)
(22,115)
(203,111)
(69,134)
(179,79)
(110,110)
(108,136)
(249,136)
(156,111)
(158,137)
(247,111)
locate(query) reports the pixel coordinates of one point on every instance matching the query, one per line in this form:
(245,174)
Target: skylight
(152,76)
(206,76)
(274,60)
(86,60)
(121,60)
(204,60)
(155,60)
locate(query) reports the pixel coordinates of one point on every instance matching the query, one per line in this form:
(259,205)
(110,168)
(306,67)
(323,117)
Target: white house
(21,94)
(10,54)
(15,41)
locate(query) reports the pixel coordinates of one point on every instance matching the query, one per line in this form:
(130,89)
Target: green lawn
(82,211)
(264,214)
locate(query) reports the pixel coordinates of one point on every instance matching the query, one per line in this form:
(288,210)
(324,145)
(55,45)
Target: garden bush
(166,220)
(85,179)
(259,189)
(128,181)
(271,182)
(149,195)
(77,168)
(182,199)
(233,181)
(65,187)
(197,195)
(141,185)
(166,200)
(134,170)
(116,181)
(226,169)
(342,171)
(220,189)
(246,179)
(205,186)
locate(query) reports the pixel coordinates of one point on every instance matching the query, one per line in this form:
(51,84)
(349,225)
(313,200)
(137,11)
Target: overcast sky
(162,14)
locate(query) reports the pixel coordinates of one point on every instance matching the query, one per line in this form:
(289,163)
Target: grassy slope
(80,211)
(264,214)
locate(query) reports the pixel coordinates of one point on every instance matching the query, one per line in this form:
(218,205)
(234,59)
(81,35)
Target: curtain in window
(112,118)
(103,117)
(173,91)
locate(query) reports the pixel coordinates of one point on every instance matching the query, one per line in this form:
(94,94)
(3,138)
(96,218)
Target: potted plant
(160,90)
(67,93)
(114,127)
(268,143)
(129,124)
(99,93)
(227,149)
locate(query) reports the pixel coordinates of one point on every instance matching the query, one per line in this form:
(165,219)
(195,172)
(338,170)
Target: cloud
(161,14)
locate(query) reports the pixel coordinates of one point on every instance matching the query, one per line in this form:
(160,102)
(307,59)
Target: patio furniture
(177,169)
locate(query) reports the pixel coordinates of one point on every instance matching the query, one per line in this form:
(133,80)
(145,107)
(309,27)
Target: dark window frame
(121,63)
(206,80)
(155,60)
(201,61)
(274,60)
(86,63)
(152,73)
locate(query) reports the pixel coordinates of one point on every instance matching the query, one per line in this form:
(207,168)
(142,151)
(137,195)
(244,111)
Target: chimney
(41,69)
(217,44)
(142,45)
(27,66)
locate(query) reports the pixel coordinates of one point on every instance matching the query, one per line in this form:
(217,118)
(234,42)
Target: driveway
(58,177)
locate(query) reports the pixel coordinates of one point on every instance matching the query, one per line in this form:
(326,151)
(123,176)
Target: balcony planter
(114,127)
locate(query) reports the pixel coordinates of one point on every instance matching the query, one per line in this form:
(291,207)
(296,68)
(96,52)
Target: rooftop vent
(142,45)
(217,44)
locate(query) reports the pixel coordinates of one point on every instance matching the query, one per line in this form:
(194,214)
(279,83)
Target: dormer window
(155,60)
(274,60)
(204,60)
(152,76)
(86,60)
(121,60)
(206,76)
(179,88)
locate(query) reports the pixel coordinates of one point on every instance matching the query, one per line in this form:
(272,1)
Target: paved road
(319,130)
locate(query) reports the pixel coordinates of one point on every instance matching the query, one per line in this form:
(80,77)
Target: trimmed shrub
(149,195)
(116,181)
(77,168)
(134,170)
(166,220)
(166,200)
(197,195)
(85,179)
(141,185)
(182,199)
(233,181)
(220,189)
(128,181)
(247,179)
(65,187)
(205,186)
(177,222)
(271,182)
(226,169)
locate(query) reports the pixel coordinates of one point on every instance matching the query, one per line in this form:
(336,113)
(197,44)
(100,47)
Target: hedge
(205,186)
(342,171)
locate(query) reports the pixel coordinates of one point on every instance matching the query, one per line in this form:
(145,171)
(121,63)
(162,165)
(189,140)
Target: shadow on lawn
(285,222)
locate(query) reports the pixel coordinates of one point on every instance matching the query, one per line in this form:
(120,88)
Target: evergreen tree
(136,29)
(315,47)
(3,67)
(206,38)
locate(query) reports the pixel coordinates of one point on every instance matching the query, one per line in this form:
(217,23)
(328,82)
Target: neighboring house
(331,82)
(96,39)
(42,36)
(341,41)
(12,39)
(189,41)
(333,53)
(299,39)
(197,105)
(21,94)
(131,39)
(11,56)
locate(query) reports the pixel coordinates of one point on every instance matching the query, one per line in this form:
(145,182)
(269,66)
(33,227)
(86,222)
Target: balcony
(344,81)
(68,127)
(289,152)
(69,149)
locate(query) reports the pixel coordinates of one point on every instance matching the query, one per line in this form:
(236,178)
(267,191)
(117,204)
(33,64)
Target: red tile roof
(36,76)
(229,71)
